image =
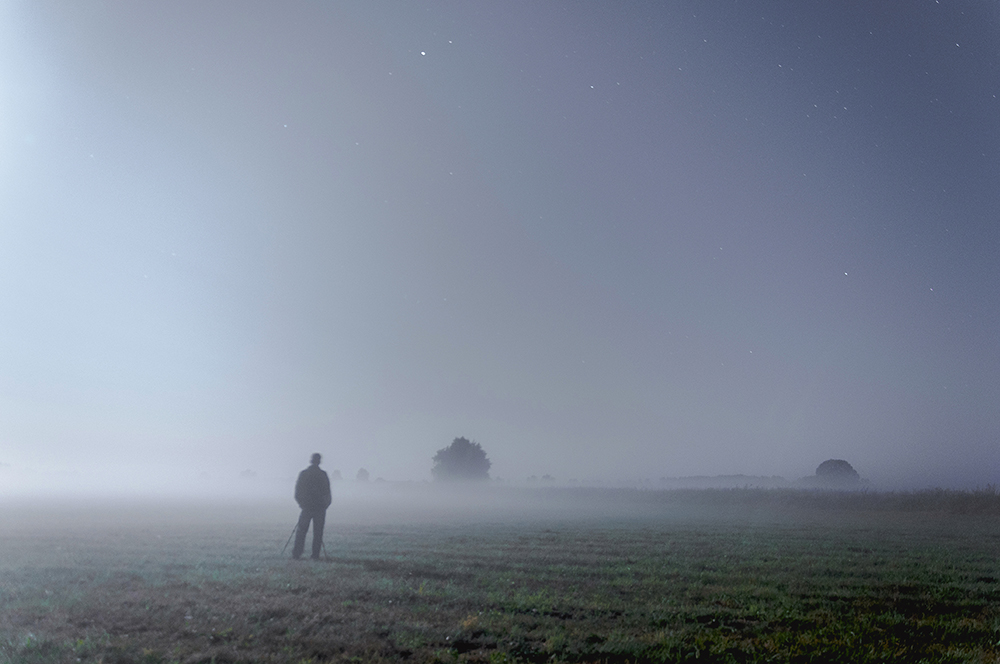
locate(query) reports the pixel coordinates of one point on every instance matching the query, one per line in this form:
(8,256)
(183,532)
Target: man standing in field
(312,493)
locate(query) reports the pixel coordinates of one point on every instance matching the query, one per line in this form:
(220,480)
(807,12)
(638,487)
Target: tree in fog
(362,475)
(837,472)
(462,460)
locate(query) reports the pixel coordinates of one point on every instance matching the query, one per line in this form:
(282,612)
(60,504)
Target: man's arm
(299,490)
(327,498)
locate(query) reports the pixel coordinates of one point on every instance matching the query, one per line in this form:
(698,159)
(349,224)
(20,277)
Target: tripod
(288,541)
(290,538)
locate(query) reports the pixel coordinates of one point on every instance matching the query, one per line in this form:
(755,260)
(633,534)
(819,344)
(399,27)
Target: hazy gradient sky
(603,239)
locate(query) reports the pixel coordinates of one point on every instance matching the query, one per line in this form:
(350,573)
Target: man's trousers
(318,518)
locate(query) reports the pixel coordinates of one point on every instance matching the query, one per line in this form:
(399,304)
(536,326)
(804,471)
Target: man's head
(315,459)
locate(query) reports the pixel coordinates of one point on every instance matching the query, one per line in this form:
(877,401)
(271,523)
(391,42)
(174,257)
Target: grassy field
(726,576)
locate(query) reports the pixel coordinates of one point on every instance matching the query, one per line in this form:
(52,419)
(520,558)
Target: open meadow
(549,576)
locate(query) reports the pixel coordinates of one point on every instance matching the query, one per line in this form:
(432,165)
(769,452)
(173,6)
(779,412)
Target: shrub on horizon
(837,468)
(837,473)
(462,460)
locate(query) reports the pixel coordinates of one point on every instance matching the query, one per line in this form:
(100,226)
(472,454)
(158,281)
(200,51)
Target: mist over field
(647,245)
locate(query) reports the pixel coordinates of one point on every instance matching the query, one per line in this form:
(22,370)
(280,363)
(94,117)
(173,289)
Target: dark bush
(837,472)
(462,460)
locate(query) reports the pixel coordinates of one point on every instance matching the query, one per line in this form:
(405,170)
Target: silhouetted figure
(312,493)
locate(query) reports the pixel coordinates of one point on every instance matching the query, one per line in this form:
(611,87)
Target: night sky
(606,240)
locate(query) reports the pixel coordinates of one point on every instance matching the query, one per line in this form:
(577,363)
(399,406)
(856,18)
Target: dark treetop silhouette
(837,472)
(462,460)
(312,493)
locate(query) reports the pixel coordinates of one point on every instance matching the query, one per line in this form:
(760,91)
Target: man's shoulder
(313,470)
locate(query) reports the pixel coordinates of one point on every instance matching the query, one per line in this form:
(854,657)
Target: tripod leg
(290,538)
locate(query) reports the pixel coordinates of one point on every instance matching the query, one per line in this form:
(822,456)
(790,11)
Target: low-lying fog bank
(417,503)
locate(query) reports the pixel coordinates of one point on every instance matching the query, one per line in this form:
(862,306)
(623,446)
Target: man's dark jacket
(312,490)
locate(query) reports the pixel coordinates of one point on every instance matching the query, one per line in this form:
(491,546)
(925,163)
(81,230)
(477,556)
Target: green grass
(730,582)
